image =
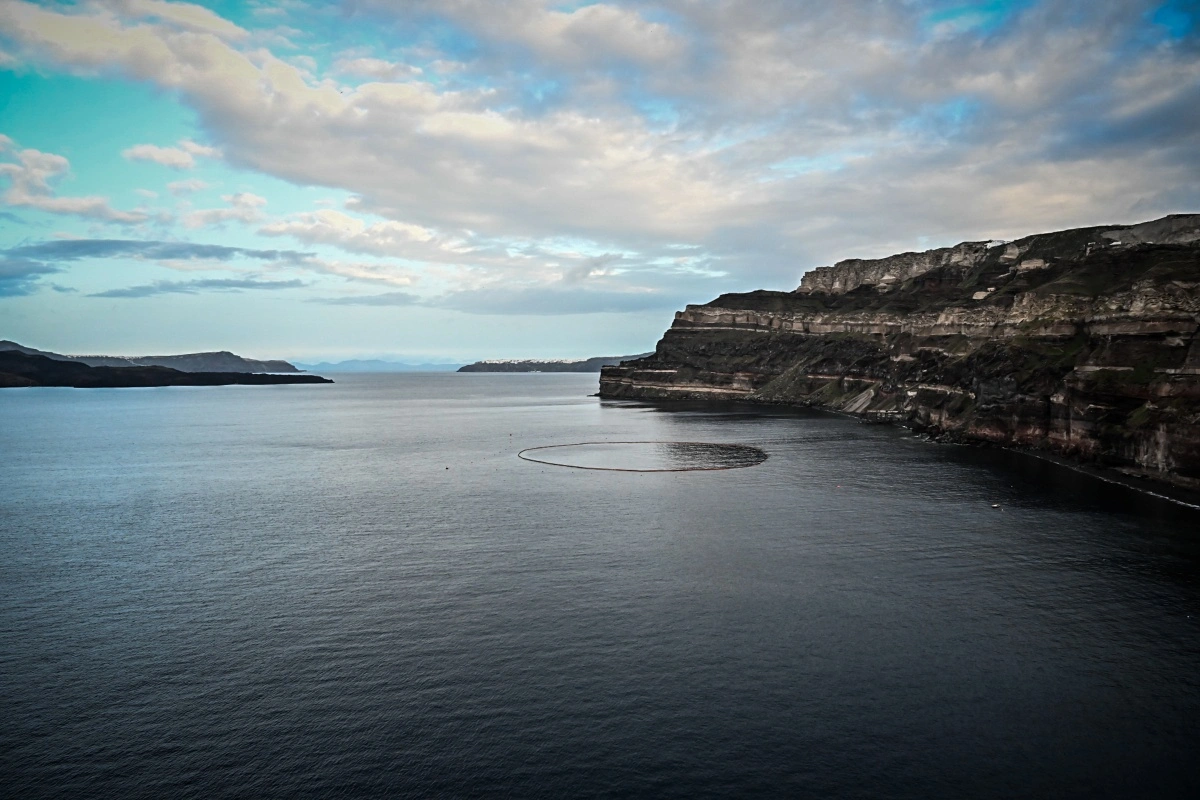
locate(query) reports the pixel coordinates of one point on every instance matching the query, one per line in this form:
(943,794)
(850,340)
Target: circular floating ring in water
(646,456)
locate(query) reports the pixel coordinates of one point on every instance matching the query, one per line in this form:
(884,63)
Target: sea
(361,590)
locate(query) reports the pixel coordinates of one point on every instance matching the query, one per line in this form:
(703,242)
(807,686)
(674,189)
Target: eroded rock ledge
(1080,342)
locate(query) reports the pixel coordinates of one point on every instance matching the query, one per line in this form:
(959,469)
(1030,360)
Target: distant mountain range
(222,361)
(375,365)
(529,365)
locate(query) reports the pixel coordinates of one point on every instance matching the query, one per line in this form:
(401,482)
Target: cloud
(198,286)
(385,299)
(11,217)
(327,226)
(243,207)
(30,186)
(195,149)
(597,266)
(520,301)
(19,276)
(767,139)
(593,33)
(361,271)
(185,16)
(188,255)
(188,186)
(414,154)
(375,68)
(78,249)
(553,301)
(166,156)
(181,157)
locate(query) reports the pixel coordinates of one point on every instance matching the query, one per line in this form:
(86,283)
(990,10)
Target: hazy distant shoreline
(531,365)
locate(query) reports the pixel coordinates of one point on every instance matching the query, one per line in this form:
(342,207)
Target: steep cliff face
(1080,342)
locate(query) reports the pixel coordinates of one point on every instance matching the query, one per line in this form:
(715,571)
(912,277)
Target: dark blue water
(360,590)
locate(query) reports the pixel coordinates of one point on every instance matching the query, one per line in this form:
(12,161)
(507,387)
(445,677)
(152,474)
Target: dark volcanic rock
(1083,343)
(25,369)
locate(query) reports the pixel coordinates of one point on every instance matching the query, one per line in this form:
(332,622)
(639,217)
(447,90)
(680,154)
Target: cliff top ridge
(1030,252)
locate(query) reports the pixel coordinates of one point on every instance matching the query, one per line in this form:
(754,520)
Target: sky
(465,179)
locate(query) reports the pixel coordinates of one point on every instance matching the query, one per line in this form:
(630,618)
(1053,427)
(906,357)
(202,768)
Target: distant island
(375,365)
(222,361)
(19,369)
(529,365)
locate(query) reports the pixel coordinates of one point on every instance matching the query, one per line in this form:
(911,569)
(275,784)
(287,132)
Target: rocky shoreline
(1079,343)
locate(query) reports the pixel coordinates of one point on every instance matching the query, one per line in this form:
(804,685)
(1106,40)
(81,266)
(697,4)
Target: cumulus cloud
(166,156)
(188,186)
(30,185)
(407,150)
(198,286)
(196,149)
(375,68)
(184,16)
(181,157)
(769,138)
(327,226)
(242,207)
(596,32)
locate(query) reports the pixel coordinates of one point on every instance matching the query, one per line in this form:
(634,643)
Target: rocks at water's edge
(25,369)
(1081,342)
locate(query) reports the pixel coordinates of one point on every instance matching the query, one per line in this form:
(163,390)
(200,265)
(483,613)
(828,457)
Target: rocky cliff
(1081,342)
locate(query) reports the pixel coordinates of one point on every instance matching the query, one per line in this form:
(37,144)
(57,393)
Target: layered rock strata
(1082,342)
